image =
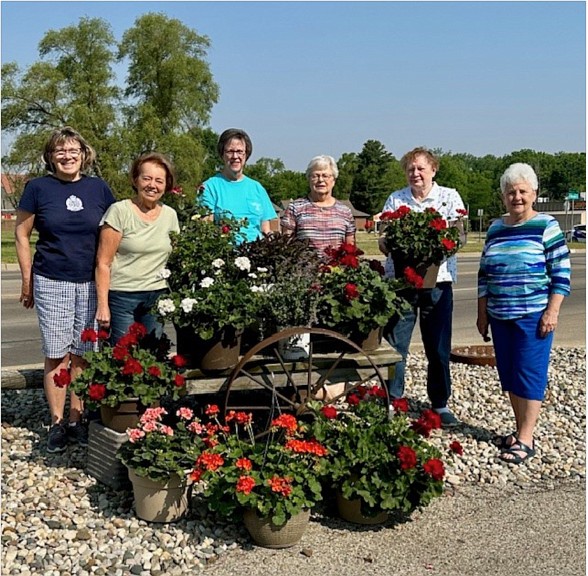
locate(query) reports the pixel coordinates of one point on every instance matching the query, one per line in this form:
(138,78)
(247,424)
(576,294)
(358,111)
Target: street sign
(573,195)
(480,211)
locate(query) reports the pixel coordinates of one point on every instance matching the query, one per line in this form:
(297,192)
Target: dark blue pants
(129,307)
(434,308)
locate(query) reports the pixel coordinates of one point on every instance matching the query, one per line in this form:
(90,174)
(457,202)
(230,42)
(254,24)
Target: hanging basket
(266,534)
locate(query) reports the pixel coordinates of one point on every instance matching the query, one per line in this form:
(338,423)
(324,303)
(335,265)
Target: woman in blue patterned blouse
(523,278)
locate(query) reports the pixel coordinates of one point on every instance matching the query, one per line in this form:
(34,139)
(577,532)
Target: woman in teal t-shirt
(232,193)
(134,248)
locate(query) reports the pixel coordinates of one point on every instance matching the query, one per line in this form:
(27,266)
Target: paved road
(20,332)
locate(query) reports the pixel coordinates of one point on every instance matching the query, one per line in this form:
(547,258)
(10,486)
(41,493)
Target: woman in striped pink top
(320,217)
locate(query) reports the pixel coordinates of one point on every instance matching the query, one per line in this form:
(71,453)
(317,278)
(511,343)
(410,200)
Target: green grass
(9,248)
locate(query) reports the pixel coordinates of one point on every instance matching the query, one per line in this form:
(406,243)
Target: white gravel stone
(58,520)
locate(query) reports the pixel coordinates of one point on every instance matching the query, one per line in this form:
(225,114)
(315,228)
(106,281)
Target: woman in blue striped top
(523,278)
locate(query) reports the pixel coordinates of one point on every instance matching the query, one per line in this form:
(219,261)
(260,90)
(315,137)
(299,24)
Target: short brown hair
(59,137)
(415,153)
(160,160)
(228,135)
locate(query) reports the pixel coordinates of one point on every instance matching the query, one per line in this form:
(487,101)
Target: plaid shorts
(64,310)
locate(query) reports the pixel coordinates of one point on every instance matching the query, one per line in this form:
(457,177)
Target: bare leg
(526,414)
(55,395)
(76,406)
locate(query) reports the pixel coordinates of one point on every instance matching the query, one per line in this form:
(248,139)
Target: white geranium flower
(218,263)
(243,263)
(262,270)
(207,282)
(166,306)
(252,275)
(164,273)
(187,304)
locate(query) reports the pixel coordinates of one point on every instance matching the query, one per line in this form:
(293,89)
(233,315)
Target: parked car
(577,233)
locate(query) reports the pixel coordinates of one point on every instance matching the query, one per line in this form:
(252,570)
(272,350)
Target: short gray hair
(319,162)
(515,173)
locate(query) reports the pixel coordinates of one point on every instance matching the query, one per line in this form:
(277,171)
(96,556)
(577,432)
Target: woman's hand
(26,295)
(482,322)
(548,322)
(103,316)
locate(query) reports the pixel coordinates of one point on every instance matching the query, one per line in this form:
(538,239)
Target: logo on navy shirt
(74,204)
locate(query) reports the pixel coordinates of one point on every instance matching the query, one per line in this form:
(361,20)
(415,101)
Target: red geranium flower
(449,244)
(132,366)
(351,291)
(62,378)
(244,464)
(89,335)
(179,361)
(137,329)
(329,412)
(212,410)
(434,468)
(438,224)
(400,404)
(245,484)
(407,457)
(154,371)
(456,447)
(412,277)
(179,381)
(96,392)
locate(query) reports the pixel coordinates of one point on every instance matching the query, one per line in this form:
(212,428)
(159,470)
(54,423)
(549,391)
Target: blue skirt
(522,355)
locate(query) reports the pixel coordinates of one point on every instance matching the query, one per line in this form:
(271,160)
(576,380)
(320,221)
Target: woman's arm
(107,247)
(482,321)
(22,234)
(550,317)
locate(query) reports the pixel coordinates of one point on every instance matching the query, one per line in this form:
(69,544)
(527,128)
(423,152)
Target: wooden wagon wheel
(267,384)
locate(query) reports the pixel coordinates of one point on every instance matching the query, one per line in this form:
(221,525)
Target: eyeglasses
(73,152)
(239,153)
(317,177)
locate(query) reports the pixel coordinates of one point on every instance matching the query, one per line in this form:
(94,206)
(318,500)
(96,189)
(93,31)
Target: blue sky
(308,78)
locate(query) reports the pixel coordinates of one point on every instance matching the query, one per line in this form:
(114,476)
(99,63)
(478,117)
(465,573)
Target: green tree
(370,184)
(164,106)
(73,85)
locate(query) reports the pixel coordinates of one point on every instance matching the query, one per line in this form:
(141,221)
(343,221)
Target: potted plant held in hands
(125,379)
(379,463)
(419,241)
(159,454)
(271,481)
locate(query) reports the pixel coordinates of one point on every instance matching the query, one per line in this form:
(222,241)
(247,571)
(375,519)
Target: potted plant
(284,277)
(137,370)
(355,298)
(159,453)
(272,480)
(210,297)
(419,240)
(378,458)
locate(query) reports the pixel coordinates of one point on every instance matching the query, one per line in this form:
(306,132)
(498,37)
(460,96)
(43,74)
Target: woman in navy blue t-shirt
(65,207)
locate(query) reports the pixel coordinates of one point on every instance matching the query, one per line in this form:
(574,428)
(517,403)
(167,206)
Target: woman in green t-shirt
(134,248)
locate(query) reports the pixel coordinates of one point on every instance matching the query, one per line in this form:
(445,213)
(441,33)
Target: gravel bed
(57,520)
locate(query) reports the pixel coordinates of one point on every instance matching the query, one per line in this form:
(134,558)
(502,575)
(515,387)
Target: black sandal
(505,442)
(510,455)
